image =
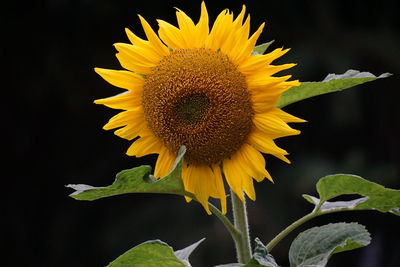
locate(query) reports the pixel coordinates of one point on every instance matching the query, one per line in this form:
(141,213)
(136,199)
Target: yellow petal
(144,146)
(125,100)
(236,35)
(171,35)
(219,185)
(138,54)
(185,180)
(247,163)
(153,38)
(264,143)
(131,130)
(248,47)
(245,173)
(129,62)
(286,117)
(124,118)
(143,45)
(135,40)
(202,26)
(121,78)
(233,45)
(242,34)
(253,162)
(237,23)
(187,28)
(199,181)
(220,30)
(264,101)
(272,69)
(273,125)
(234,176)
(258,62)
(258,80)
(248,188)
(164,163)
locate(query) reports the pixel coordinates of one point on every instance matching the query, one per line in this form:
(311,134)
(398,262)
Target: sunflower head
(205,89)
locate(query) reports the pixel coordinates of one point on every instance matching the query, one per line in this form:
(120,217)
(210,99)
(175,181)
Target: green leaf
(260,49)
(136,180)
(332,83)
(376,196)
(261,257)
(315,246)
(184,254)
(153,253)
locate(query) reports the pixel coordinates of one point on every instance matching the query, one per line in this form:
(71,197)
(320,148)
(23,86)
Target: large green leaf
(375,196)
(136,180)
(153,253)
(315,246)
(332,83)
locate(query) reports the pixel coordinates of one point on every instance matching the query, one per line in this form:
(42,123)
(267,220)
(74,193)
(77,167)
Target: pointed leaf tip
(184,253)
(260,49)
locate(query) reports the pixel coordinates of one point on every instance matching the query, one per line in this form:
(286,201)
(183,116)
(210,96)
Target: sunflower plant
(209,103)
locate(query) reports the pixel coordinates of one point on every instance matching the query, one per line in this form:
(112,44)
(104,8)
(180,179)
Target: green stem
(236,236)
(229,226)
(289,229)
(242,244)
(316,212)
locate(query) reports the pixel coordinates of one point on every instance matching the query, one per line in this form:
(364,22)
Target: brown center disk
(197,98)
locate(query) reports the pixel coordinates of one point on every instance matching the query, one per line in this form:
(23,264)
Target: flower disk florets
(196,97)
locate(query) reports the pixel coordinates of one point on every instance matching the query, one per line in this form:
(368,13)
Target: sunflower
(207,90)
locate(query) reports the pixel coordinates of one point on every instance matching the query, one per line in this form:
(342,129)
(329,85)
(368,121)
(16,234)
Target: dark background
(53,130)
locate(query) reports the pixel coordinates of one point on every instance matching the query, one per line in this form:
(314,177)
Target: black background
(53,136)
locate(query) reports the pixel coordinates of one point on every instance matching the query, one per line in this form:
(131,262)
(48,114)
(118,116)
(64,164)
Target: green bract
(261,257)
